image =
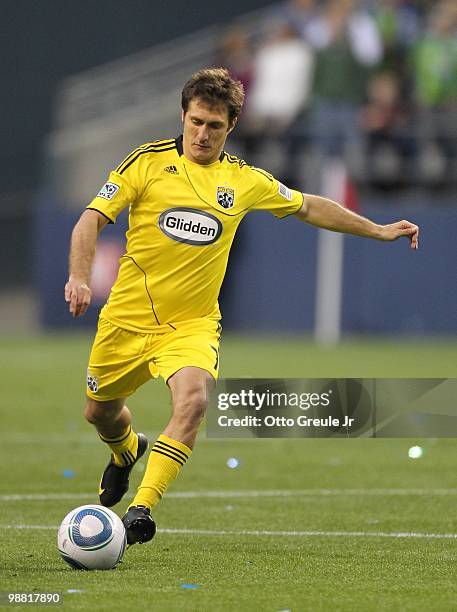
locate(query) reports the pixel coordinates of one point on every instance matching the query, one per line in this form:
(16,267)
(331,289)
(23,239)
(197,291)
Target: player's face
(205,131)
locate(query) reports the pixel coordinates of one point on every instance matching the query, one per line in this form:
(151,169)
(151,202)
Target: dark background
(44,41)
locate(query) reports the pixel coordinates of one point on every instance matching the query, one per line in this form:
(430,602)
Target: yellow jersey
(182,220)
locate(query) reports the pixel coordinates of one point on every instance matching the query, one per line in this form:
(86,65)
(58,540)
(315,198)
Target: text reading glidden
(190,226)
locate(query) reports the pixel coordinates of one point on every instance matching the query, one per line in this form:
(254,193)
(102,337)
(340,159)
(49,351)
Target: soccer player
(187,197)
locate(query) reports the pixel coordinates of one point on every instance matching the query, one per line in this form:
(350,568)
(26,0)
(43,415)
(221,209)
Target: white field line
(358,534)
(244,494)
(256,532)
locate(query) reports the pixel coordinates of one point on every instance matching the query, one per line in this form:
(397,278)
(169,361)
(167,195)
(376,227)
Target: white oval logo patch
(190,226)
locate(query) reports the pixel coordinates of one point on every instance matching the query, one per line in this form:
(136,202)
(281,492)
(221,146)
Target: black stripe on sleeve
(265,174)
(130,155)
(146,147)
(133,160)
(102,213)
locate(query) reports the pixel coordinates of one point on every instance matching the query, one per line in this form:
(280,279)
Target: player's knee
(191,407)
(91,413)
(98,413)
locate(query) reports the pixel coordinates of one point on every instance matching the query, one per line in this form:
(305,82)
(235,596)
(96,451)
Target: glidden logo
(190,226)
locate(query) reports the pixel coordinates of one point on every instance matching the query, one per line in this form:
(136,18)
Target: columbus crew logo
(92,382)
(225,197)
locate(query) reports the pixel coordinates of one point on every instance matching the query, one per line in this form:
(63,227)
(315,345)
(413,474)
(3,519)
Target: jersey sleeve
(122,188)
(273,196)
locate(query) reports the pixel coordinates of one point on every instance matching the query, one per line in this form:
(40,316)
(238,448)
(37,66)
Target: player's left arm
(329,215)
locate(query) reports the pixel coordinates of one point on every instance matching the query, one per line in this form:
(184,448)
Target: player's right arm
(121,190)
(82,253)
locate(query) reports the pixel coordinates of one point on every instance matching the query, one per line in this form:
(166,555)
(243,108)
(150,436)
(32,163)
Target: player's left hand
(392,231)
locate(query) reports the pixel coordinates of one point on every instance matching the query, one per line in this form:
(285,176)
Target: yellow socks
(165,461)
(124,447)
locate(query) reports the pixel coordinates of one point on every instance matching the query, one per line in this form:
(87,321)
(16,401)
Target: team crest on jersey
(108,191)
(92,382)
(225,197)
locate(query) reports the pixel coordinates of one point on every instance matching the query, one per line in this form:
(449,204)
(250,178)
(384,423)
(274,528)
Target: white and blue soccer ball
(91,537)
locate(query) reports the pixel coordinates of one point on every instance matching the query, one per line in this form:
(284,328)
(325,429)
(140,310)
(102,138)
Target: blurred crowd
(370,84)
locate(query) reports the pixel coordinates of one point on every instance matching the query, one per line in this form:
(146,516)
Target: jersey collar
(179,147)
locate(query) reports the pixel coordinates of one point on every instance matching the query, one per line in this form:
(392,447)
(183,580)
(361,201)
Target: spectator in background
(280,91)
(236,55)
(297,13)
(348,45)
(398,22)
(436,58)
(282,80)
(435,72)
(386,121)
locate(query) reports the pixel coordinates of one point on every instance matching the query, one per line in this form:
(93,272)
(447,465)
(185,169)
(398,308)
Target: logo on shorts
(108,191)
(92,382)
(225,197)
(190,226)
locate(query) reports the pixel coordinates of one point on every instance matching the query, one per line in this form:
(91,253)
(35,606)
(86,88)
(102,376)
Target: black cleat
(115,480)
(139,525)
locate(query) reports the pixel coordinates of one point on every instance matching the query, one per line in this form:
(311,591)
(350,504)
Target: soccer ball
(91,537)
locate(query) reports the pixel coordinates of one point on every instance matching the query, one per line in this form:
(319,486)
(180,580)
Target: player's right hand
(78,295)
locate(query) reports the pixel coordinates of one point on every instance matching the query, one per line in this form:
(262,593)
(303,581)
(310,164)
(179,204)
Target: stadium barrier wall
(270,284)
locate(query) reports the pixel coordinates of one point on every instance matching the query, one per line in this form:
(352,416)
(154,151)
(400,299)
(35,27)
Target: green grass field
(299,525)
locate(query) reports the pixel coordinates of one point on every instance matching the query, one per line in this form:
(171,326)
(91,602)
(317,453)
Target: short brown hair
(214,86)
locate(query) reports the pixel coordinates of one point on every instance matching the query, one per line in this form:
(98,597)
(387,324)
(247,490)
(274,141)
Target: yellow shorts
(122,360)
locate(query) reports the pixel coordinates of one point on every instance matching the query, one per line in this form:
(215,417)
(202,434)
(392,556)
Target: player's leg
(188,360)
(189,392)
(110,418)
(116,368)
(113,422)
(189,389)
